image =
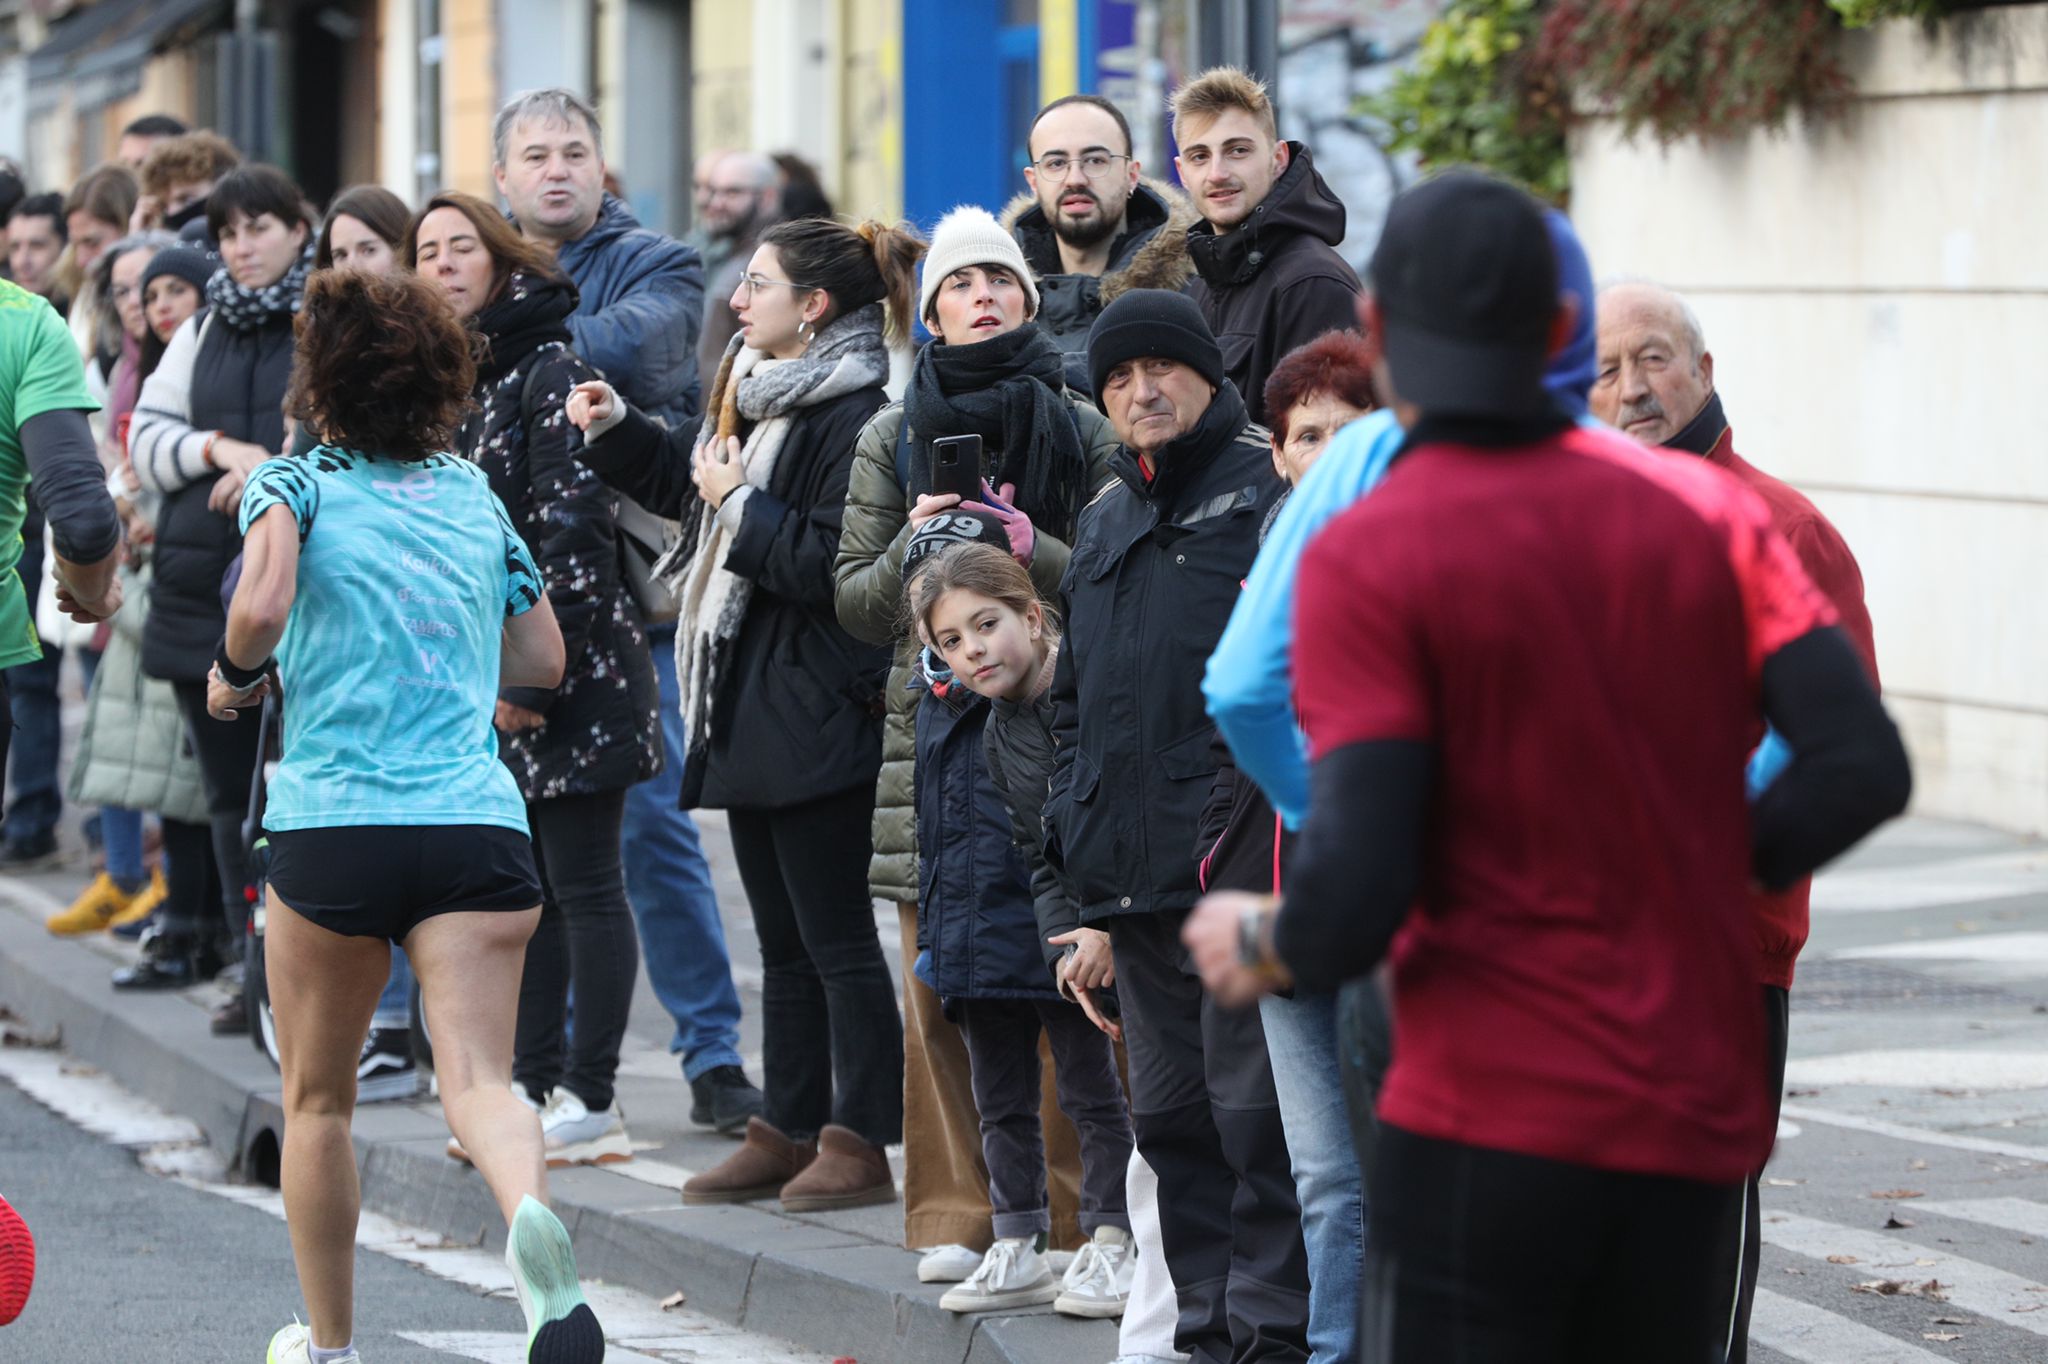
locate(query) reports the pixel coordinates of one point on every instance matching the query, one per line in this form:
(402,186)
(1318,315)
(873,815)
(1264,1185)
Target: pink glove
(1016,525)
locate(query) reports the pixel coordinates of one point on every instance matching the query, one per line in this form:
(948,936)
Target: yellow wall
(722,58)
(470,94)
(867,181)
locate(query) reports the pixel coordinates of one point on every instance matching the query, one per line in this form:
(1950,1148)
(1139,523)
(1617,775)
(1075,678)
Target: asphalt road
(139,1265)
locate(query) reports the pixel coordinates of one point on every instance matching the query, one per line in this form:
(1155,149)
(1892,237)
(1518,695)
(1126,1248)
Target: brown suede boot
(765,1162)
(848,1173)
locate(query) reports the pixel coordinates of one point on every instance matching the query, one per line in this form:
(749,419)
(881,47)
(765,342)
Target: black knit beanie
(188,263)
(1153,322)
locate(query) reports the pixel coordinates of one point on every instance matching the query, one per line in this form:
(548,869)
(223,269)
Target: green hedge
(1494,81)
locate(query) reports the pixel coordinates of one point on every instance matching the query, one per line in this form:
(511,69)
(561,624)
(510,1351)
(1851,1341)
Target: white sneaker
(573,1135)
(1013,1274)
(947,1264)
(294,1345)
(1098,1283)
(455,1151)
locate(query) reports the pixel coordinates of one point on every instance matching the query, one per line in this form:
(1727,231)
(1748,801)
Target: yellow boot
(95,908)
(144,902)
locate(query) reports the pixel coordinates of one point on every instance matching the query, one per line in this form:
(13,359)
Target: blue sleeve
(284,482)
(1249,683)
(645,340)
(1772,757)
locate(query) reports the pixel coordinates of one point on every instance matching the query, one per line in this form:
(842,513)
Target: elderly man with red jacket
(1656,382)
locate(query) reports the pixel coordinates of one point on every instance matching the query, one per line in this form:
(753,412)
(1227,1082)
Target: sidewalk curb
(810,1284)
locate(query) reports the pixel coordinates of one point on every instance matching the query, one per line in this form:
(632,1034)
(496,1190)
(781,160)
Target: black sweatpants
(1488,1257)
(1777,1037)
(227,751)
(1208,1123)
(1002,1062)
(585,935)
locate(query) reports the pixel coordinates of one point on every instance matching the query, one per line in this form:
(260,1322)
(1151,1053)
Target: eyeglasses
(1094,165)
(750,283)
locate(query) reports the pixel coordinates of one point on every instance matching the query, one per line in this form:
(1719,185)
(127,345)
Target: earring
(805,332)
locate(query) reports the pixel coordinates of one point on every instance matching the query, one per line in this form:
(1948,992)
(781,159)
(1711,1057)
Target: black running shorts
(378,881)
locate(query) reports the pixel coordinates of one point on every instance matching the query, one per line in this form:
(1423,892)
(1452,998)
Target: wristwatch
(1251,943)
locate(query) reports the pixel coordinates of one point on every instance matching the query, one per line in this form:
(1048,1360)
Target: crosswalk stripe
(1813,1335)
(2012,1150)
(1974,1287)
(1959,881)
(2012,1214)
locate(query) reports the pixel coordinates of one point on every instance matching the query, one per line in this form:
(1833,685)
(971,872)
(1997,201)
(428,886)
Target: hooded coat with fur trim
(1150,253)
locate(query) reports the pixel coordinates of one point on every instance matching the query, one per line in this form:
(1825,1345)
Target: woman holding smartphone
(989,373)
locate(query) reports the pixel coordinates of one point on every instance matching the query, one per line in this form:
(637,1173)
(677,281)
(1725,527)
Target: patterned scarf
(845,357)
(247,309)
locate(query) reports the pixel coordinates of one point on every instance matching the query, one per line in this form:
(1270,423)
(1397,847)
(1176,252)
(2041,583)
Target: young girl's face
(990,647)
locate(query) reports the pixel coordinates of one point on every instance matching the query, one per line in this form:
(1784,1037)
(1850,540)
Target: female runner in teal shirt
(396,597)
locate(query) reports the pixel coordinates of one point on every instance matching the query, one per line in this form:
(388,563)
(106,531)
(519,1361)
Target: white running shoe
(1098,1283)
(1013,1274)
(947,1264)
(576,1136)
(294,1345)
(560,1327)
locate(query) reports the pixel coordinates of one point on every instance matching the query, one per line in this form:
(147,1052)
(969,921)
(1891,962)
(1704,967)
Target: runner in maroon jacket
(1531,667)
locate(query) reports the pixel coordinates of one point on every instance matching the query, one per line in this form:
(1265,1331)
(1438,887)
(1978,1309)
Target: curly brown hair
(191,159)
(383,366)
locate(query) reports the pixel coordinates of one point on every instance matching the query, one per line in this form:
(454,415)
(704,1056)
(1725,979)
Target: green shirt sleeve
(49,376)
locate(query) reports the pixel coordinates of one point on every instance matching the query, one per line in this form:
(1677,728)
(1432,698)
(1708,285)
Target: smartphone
(956,466)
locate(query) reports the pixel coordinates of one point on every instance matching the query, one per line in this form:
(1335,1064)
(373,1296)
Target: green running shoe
(560,1327)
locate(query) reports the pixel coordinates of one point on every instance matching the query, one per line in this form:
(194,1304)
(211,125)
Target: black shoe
(386,1070)
(29,854)
(169,967)
(724,1099)
(231,1019)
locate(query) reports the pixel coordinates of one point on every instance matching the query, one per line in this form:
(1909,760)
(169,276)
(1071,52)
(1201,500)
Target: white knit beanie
(971,236)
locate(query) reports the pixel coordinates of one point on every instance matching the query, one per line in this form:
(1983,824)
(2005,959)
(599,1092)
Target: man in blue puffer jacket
(641,303)
(642,292)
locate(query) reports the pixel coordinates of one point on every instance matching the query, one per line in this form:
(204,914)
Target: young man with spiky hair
(1267,274)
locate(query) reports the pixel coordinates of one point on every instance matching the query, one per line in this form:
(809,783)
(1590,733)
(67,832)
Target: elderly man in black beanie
(1155,571)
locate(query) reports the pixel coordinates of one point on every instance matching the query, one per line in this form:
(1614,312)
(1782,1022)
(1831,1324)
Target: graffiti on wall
(1333,53)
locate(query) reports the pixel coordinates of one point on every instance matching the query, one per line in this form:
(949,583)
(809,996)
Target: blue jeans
(35,801)
(682,940)
(121,832)
(1301,1038)
(394,1006)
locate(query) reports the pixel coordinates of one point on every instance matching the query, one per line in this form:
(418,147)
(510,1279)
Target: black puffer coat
(237,388)
(1276,281)
(1152,581)
(1019,747)
(603,723)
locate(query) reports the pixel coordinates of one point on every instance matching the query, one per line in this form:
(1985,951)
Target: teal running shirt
(389,661)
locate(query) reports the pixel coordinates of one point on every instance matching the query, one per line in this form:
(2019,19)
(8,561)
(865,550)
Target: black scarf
(1010,390)
(529,312)
(1703,432)
(1187,454)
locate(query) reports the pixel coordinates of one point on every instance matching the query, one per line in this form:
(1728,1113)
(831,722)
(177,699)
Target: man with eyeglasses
(742,199)
(1091,227)
(1267,274)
